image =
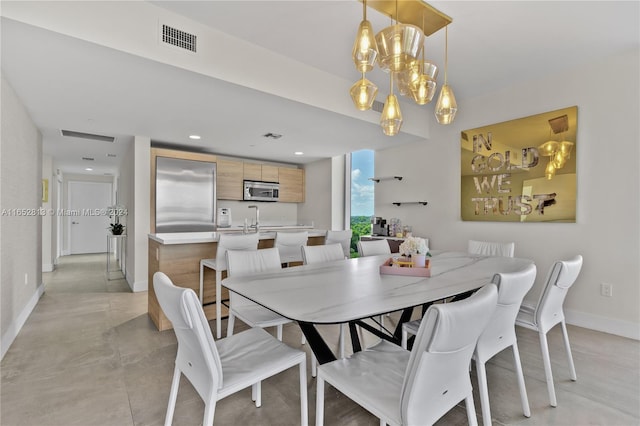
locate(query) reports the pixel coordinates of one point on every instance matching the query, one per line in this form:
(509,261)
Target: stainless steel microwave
(260,191)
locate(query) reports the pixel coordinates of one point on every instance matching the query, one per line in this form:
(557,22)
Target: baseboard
(139,286)
(48,268)
(608,325)
(16,325)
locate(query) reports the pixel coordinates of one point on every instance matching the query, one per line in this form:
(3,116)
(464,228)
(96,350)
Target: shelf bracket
(399,203)
(378,179)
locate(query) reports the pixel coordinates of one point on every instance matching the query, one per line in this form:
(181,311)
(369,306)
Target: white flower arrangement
(413,245)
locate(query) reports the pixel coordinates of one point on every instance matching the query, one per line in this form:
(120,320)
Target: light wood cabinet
(252,171)
(291,185)
(230,176)
(270,173)
(263,172)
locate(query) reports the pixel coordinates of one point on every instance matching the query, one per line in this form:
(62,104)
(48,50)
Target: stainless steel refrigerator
(185,195)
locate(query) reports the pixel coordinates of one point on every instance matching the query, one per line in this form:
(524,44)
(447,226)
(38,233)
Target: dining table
(353,290)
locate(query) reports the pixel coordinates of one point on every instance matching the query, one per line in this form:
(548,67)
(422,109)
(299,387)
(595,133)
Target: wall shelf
(398,203)
(378,179)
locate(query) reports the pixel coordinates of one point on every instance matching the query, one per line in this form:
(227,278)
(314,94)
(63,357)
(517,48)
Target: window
(362,195)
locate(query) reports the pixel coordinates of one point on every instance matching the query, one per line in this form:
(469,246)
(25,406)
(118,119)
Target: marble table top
(350,289)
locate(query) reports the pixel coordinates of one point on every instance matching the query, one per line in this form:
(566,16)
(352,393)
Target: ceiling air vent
(377,106)
(178,38)
(72,134)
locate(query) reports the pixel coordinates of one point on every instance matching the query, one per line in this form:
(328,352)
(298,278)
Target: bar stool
(219,264)
(341,237)
(289,245)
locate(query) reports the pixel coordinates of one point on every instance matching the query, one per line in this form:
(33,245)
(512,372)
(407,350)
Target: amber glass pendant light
(363,93)
(365,50)
(423,86)
(446,107)
(391,119)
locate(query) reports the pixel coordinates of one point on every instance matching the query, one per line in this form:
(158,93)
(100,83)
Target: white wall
(607,227)
(318,198)
(20,235)
(48,241)
(124,188)
(138,224)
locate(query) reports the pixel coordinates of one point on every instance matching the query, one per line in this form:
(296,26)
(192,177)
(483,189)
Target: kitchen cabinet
(230,177)
(270,173)
(263,172)
(291,185)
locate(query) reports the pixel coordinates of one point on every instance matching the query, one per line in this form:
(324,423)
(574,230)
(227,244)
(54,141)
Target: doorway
(87,216)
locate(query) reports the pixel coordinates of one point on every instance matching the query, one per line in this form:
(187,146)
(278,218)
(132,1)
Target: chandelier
(399,50)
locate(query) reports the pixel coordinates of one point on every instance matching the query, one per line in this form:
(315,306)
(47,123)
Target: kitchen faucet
(257,225)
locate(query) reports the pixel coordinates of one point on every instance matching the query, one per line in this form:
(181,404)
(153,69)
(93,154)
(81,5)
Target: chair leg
(230,323)
(544,347)
(523,390)
(256,393)
(279,332)
(383,423)
(304,340)
(201,281)
(173,395)
(483,390)
(314,365)
(319,401)
(304,409)
(209,412)
(471,410)
(341,341)
(405,337)
(218,304)
(565,336)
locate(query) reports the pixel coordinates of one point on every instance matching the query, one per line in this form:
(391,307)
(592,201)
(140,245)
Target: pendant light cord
(446,52)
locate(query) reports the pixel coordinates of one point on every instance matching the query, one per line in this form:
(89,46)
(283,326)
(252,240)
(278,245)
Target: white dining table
(350,290)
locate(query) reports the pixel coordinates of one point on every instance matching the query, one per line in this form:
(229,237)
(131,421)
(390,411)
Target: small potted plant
(116,228)
(116,212)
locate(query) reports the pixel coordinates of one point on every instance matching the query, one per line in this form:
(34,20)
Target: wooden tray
(387,269)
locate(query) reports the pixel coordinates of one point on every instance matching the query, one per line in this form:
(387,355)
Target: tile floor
(89,355)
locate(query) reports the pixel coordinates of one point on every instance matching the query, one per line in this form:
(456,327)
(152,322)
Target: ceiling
(68,83)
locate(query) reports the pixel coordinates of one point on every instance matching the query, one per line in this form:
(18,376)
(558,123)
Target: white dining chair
(289,245)
(321,254)
(219,265)
(341,237)
(490,248)
(217,369)
(418,387)
(373,247)
(241,263)
(500,333)
(549,312)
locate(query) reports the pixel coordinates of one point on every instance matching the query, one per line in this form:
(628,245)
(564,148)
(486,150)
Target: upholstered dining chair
(418,387)
(373,247)
(289,245)
(321,254)
(219,265)
(489,248)
(341,237)
(549,312)
(500,333)
(240,263)
(217,369)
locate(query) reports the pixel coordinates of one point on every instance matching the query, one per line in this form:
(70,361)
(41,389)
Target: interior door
(87,221)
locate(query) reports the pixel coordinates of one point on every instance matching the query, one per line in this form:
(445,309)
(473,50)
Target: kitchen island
(178,255)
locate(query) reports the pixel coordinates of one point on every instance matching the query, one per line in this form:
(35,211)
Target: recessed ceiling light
(195,137)
(89,169)
(298,153)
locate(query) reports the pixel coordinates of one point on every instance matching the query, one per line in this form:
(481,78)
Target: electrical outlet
(606,290)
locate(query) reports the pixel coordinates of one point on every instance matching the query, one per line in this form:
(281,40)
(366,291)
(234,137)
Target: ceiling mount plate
(412,12)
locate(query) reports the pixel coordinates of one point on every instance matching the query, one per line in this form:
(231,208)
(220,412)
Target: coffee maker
(378,226)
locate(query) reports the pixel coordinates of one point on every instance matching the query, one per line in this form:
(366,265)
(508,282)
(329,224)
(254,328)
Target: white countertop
(266,233)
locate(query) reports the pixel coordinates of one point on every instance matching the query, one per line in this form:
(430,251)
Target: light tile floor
(89,355)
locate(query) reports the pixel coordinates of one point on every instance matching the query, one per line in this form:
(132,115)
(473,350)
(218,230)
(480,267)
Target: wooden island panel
(181,263)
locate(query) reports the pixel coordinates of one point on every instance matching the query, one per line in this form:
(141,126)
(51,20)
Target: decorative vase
(419,260)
